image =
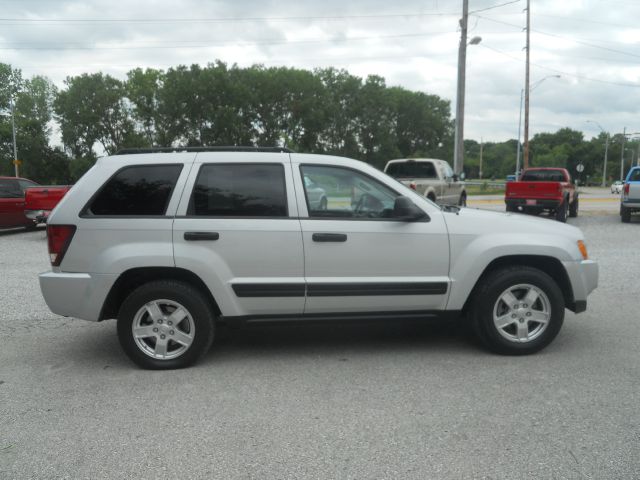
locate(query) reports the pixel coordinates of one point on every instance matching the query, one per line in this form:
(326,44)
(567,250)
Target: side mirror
(405,209)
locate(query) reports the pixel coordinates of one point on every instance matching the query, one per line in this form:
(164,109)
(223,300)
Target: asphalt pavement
(406,400)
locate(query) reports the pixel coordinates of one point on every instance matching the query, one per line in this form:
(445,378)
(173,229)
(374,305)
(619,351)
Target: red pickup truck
(543,189)
(39,201)
(23,203)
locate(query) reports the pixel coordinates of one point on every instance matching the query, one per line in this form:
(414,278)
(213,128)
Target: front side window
(336,192)
(138,190)
(240,190)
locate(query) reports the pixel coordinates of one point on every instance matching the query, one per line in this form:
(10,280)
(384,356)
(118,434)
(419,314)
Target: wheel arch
(135,277)
(549,265)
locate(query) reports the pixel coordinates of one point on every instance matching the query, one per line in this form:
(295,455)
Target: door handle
(197,236)
(329,237)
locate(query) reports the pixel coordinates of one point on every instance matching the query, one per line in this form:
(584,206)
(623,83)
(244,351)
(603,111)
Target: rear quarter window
(136,190)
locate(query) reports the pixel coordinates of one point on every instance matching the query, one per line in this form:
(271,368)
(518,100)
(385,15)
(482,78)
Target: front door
(360,259)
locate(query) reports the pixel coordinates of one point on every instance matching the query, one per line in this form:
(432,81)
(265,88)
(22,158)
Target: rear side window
(138,190)
(635,176)
(411,170)
(240,190)
(9,188)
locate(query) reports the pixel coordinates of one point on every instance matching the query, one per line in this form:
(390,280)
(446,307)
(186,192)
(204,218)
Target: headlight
(583,250)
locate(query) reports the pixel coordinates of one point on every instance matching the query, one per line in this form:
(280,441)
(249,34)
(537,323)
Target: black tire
(463,200)
(625,214)
(511,208)
(573,208)
(562,211)
(487,296)
(323,203)
(432,197)
(181,293)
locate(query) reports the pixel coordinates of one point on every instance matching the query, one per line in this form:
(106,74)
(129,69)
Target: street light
(534,85)
(458,145)
(606,151)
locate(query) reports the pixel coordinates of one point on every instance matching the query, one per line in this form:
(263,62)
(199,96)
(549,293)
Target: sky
(592,45)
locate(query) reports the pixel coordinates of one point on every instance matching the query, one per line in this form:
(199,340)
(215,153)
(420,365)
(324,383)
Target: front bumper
(79,295)
(38,216)
(583,276)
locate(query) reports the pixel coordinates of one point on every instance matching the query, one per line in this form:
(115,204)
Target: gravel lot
(408,400)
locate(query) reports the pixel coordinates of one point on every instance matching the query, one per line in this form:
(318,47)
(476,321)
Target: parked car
(616,187)
(12,202)
(40,200)
(543,189)
(172,244)
(630,201)
(431,178)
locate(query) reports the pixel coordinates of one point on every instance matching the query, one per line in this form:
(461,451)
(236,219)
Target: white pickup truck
(432,178)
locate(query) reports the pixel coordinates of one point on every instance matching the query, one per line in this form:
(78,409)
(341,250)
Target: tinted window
(635,176)
(241,190)
(411,170)
(335,192)
(9,188)
(26,184)
(140,190)
(543,176)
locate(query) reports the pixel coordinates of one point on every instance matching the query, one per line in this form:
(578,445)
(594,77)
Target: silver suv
(172,243)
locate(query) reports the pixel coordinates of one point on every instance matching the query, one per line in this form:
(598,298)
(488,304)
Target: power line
(562,72)
(223,44)
(581,42)
(494,6)
(26,21)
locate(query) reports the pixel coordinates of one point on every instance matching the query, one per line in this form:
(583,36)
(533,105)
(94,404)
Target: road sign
(17,162)
(580,168)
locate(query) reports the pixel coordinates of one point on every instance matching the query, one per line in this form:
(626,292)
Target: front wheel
(463,200)
(165,324)
(518,310)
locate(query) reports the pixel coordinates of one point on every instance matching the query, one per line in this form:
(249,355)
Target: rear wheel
(561,212)
(573,208)
(625,214)
(518,310)
(165,325)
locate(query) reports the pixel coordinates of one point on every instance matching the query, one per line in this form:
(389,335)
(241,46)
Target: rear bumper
(583,276)
(542,203)
(632,203)
(38,216)
(79,295)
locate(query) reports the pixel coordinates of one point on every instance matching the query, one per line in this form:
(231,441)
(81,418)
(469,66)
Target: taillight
(626,189)
(59,237)
(412,185)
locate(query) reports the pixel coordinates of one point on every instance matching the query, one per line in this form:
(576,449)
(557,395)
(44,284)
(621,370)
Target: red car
(12,202)
(543,189)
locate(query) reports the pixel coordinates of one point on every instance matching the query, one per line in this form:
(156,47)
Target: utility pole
(481,145)
(604,169)
(526,90)
(624,136)
(13,127)
(458,146)
(519,125)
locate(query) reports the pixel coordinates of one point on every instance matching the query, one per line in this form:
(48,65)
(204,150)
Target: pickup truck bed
(39,201)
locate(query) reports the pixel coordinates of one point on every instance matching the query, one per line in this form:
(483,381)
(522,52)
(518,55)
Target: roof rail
(130,151)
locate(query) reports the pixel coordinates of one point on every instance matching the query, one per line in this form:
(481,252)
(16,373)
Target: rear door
(237,228)
(11,203)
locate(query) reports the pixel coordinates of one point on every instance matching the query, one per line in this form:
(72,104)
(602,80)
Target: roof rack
(130,151)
